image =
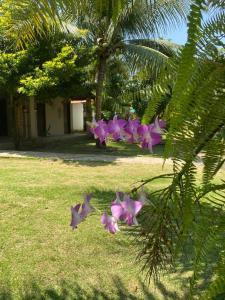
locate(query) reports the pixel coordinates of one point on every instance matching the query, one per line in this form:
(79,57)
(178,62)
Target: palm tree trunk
(99,86)
(99,92)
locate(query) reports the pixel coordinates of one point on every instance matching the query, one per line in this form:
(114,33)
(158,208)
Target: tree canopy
(128,28)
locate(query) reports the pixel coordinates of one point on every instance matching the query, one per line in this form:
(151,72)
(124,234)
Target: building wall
(77,116)
(33,118)
(26,118)
(55,117)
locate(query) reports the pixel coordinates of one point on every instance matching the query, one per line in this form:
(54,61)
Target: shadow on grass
(68,151)
(90,163)
(184,264)
(104,198)
(84,144)
(32,291)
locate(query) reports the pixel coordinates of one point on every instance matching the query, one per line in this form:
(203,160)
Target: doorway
(41,119)
(67,126)
(3,118)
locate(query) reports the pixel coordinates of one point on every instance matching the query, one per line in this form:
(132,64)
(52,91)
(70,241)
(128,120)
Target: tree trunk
(10,116)
(99,91)
(99,86)
(15,124)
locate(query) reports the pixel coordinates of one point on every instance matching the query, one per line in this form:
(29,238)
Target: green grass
(86,145)
(42,258)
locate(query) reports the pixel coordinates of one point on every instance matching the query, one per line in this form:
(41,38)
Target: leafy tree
(123,89)
(136,91)
(60,68)
(13,66)
(122,27)
(60,76)
(117,75)
(44,73)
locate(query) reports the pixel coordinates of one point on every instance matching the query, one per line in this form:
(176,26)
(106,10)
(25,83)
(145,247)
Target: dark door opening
(41,120)
(3,118)
(67,127)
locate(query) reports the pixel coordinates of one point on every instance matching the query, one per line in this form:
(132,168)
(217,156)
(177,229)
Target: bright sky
(178,35)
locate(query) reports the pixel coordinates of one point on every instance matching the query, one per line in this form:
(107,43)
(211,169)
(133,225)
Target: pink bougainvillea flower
(131,209)
(130,131)
(148,137)
(86,207)
(116,128)
(76,219)
(101,131)
(109,223)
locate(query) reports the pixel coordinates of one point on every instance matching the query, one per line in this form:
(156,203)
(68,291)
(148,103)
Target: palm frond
(122,17)
(196,117)
(163,86)
(216,289)
(166,47)
(144,57)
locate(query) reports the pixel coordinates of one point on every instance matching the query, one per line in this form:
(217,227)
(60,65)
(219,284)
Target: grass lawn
(86,145)
(42,258)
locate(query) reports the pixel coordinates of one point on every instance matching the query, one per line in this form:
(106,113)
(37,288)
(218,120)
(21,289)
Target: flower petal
(86,207)
(110,223)
(75,217)
(117,210)
(104,218)
(137,206)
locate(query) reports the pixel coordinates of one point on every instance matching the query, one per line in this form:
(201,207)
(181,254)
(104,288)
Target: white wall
(55,117)
(77,116)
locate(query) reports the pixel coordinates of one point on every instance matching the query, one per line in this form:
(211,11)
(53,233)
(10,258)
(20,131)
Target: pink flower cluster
(123,208)
(131,131)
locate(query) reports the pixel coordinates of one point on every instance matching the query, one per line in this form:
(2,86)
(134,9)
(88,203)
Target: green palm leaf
(144,57)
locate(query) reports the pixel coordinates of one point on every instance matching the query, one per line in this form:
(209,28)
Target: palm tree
(112,27)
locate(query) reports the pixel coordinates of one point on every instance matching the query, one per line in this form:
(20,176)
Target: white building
(44,119)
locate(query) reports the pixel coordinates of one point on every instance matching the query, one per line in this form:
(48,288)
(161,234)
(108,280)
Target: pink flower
(130,130)
(101,131)
(148,137)
(109,223)
(131,209)
(158,126)
(76,219)
(116,127)
(123,208)
(116,207)
(86,207)
(126,210)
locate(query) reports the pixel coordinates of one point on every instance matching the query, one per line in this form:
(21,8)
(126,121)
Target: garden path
(86,157)
(82,157)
